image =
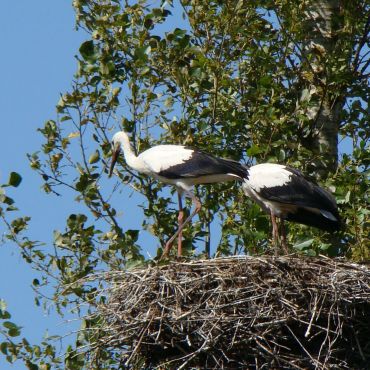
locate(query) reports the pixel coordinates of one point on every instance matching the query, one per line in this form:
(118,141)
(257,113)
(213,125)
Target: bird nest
(239,312)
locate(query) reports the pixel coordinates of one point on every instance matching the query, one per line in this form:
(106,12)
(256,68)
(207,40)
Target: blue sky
(37,64)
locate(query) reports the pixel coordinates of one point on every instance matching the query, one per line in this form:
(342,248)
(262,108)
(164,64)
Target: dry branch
(244,312)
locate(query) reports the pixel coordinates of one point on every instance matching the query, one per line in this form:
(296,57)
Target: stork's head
(120,141)
(116,149)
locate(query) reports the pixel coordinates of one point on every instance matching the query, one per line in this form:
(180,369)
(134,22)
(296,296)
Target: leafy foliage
(232,78)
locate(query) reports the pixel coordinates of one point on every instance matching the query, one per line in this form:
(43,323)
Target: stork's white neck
(130,157)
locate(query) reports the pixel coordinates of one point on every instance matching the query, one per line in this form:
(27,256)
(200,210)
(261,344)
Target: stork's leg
(275,233)
(283,237)
(180,220)
(197,207)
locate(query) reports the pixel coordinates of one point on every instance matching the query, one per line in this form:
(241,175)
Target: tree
(277,81)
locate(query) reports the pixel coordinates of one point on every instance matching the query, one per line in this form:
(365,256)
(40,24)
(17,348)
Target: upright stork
(284,192)
(180,166)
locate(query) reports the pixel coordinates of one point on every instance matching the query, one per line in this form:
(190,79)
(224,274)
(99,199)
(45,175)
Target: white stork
(180,166)
(284,192)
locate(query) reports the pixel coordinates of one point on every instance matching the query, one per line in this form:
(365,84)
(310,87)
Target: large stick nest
(244,312)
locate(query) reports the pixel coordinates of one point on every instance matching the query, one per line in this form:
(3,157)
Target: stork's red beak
(114,160)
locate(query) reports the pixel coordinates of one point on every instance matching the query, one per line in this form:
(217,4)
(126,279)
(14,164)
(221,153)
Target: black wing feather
(303,216)
(203,164)
(301,193)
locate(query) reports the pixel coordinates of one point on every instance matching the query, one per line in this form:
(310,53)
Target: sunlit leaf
(94,157)
(73,135)
(303,245)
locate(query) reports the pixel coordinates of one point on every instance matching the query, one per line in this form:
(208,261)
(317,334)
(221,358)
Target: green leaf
(253,150)
(281,155)
(9,325)
(5,315)
(94,157)
(15,332)
(83,182)
(310,253)
(324,246)
(13,329)
(6,200)
(65,118)
(305,95)
(4,348)
(142,52)
(32,366)
(2,305)
(303,245)
(169,102)
(88,51)
(14,179)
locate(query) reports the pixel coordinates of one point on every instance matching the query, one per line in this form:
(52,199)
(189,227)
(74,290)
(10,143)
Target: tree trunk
(321,26)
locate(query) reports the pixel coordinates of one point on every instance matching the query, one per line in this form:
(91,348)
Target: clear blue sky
(37,63)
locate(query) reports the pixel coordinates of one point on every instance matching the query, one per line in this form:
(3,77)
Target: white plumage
(179,166)
(268,175)
(162,157)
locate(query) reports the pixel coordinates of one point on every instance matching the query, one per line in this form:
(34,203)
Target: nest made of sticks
(244,312)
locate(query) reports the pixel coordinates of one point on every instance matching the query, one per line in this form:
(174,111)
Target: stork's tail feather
(236,168)
(321,221)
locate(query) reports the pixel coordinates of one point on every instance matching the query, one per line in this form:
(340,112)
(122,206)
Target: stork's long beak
(115,154)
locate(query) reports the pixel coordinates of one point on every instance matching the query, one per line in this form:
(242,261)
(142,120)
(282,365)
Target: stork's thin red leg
(180,220)
(197,207)
(275,233)
(283,237)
